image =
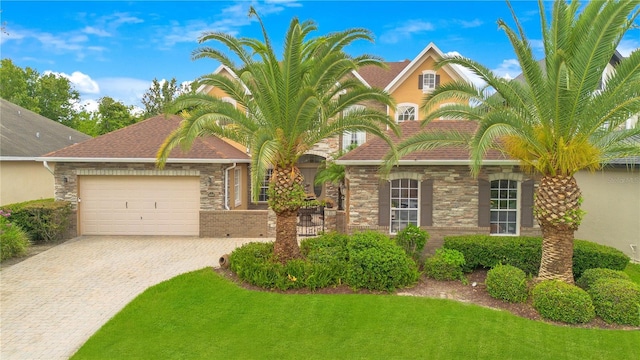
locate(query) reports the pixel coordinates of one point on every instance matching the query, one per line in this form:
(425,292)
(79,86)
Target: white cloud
(88,105)
(127,90)
(82,82)
(626,47)
(229,21)
(95,31)
(508,69)
(469,24)
(405,31)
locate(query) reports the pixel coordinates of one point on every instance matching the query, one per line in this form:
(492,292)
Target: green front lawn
(201,315)
(633,270)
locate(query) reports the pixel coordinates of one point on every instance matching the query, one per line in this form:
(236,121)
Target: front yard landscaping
(342,302)
(203,315)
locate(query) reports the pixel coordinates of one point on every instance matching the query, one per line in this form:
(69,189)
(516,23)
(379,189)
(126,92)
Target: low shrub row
(525,253)
(508,283)
(366,260)
(559,301)
(446,264)
(13,240)
(43,220)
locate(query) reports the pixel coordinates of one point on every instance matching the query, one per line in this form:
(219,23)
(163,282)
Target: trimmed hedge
(525,253)
(446,264)
(591,276)
(508,283)
(377,263)
(617,301)
(559,301)
(367,260)
(44,220)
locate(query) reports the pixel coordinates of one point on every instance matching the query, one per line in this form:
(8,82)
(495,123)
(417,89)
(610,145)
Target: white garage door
(139,205)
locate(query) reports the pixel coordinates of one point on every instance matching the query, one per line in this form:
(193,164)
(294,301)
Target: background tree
(556,121)
(113,115)
(162,93)
(285,106)
(49,95)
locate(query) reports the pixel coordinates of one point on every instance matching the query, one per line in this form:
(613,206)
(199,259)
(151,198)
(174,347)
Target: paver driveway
(53,302)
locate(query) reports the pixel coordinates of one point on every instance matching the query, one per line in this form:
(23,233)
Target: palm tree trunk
(286,246)
(285,200)
(557,209)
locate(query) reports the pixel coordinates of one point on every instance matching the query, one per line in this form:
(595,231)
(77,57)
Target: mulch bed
(474,292)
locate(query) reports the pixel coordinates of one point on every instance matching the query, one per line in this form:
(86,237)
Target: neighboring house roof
(25,135)
(140,143)
(371,152)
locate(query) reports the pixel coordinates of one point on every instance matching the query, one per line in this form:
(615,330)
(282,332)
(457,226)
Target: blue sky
(116,48)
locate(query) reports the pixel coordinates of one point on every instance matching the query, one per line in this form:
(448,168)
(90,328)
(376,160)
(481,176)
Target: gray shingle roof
(24,133)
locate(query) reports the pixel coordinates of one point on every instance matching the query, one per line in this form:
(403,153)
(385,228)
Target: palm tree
(285,107)
(555,120)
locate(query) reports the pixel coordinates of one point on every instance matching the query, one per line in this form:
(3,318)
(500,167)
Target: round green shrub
(617,301)
(13,240)
(559,301)
(591,276)
(377,263)
(508,283)
(446,264)
(412,239)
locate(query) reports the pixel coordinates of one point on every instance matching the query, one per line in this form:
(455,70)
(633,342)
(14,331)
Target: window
(404,204)
(504,207)
(428,81)
(264,194)
(237,173)
(406,112)
(352,139)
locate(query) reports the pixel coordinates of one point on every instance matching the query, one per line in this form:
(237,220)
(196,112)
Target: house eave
(18,158)
(141,160)
(425,162)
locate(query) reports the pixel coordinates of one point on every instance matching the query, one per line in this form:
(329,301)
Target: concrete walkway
(53,302)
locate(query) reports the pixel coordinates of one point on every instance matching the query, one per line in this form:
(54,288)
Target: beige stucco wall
(23,181)
(612,203)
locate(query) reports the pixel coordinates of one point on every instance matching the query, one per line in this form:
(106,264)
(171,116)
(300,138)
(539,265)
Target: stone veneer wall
(455,198)
(234,224)
(211,178)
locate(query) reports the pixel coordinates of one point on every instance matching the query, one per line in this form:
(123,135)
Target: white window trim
(426,89)
(237,185)
(518,178)
(391,208)
(415,111)
(262,186)
(230,101)
(347,136)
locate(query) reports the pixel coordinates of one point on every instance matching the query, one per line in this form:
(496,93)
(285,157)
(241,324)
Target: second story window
(406,112)
(428,81)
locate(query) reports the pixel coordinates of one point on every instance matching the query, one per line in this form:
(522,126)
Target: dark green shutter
(384,206)
(484,203)
(437,80)
(526,203)
(426,203)
(420,81)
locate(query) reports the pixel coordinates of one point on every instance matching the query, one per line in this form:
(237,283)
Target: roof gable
(415,63)
(27,134)
(141,141)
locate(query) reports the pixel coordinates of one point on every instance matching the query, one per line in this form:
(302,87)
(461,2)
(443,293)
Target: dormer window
(406,112)
(428,81)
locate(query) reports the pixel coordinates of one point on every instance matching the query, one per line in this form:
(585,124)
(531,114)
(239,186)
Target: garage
(139,205)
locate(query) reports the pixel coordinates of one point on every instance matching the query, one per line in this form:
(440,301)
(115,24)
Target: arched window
(406,112)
